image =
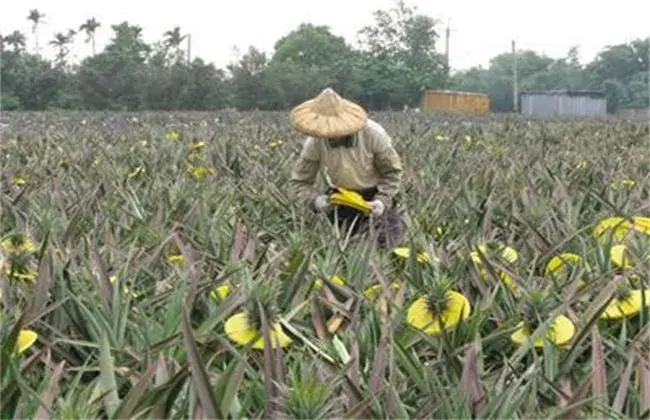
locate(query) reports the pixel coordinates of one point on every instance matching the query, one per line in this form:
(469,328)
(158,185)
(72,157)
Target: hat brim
(348,119)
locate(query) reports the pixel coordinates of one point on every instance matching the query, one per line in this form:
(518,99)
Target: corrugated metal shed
(563,103)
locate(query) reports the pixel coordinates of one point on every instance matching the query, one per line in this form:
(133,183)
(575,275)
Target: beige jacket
(371,162)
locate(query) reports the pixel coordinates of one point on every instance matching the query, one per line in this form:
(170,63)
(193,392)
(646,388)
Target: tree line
(393,60)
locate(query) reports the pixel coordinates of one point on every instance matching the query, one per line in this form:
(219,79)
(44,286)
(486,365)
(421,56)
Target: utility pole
(515,88)
(189,46)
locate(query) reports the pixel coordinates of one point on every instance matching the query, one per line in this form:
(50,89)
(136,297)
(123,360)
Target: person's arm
(304,172)
(389,165)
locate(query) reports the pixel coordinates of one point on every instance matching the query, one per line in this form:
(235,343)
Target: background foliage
(393,60)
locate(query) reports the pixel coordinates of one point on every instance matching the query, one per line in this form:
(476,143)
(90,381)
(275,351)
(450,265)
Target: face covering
(346,142)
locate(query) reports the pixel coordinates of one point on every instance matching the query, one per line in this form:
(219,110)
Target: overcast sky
(479,29)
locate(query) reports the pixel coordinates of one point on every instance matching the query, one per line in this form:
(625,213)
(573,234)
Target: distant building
(563,103)
(454,102)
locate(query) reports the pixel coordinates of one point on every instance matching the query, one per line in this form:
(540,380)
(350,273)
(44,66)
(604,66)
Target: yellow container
(454,102)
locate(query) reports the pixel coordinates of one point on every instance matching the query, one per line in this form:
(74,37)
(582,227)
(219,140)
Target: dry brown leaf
(50,392)
(318,321)
(621,394)
(470,382)
(644,379)
(566,388)
(579,396)
(599,378)
(239,241)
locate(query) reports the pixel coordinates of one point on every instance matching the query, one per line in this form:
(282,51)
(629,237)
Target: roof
(567,92)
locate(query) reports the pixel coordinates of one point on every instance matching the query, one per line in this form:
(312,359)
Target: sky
(479,29)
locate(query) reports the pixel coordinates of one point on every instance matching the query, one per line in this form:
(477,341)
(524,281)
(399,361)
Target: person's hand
(322,203)
(378,208)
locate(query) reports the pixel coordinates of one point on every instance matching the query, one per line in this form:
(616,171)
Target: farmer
(353,152)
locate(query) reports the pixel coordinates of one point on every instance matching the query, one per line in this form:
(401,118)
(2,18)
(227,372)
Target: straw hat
(328,116)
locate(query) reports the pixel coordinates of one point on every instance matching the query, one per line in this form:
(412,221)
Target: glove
(378,208)
(322,203)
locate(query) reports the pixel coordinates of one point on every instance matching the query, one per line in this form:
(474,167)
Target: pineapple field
(157,265)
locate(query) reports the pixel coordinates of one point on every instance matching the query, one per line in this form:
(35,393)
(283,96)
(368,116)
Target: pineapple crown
(437,294)
(16,239)
(261,297)
(537,308)
(623,290)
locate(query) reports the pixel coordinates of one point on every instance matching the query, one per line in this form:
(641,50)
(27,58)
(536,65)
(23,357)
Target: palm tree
(90,26)
(173,39)
(71,34)
(36,18)
(61,42)
(16,40)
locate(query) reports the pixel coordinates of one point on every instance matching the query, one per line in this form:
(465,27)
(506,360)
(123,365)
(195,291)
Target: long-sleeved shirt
(371,162)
